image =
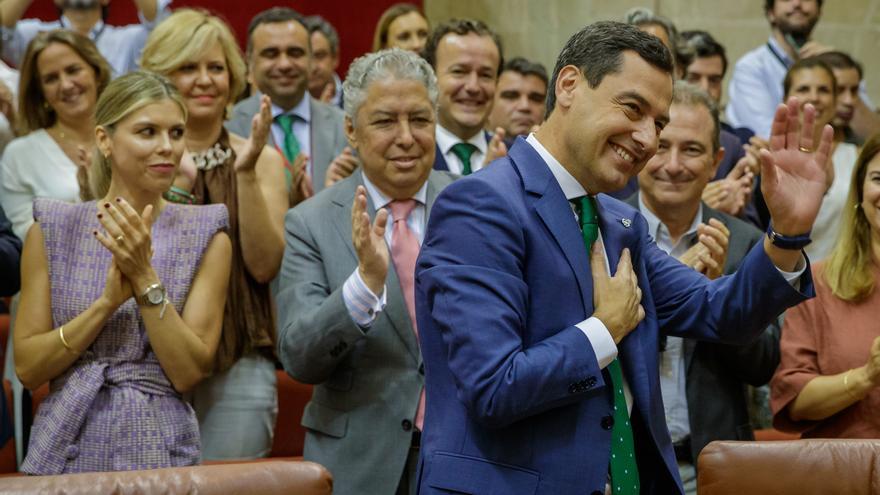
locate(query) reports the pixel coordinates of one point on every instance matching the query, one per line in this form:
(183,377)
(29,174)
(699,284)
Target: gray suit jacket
(328,132)
(716,374)
(368,382)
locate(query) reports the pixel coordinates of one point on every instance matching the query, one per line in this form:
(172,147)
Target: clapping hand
(301,185)
(497,149)
(246,161)
(369,242)
(127,236)
(341,167)
(709,254)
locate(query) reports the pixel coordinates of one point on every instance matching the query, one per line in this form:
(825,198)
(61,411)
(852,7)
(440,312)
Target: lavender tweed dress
(114,409)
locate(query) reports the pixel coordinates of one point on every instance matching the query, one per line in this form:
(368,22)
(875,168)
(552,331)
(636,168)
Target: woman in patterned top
(122,304)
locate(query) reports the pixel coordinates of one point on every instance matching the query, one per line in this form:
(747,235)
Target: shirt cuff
(793,278)
(603,344)
(363,306)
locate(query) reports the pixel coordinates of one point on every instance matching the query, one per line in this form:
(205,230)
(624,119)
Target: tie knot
(285,120)
(401,208)
(464,151)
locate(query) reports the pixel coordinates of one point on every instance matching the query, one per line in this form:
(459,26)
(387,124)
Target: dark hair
(272,16)
(526,68)
(700,44)
(597,50)
(841,60)
(460,27)
(808,63)
(768,5)
(316,23)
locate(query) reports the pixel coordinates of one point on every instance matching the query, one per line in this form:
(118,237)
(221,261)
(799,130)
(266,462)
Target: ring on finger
(120,238)
(805,149)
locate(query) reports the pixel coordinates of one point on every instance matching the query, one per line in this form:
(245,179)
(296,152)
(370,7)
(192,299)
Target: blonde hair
(186,34)
(849,268)
(123,97)
(380,36)
(34,111)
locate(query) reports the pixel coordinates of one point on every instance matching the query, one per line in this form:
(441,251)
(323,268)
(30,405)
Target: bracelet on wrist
(846,387)
(178,195)
(793,242)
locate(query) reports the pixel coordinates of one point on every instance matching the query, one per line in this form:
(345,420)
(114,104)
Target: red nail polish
(95,233)
(106,205)
(118,200)
(100,215)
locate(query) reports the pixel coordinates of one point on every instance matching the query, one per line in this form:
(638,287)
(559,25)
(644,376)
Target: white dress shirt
(120,45)
(446,140)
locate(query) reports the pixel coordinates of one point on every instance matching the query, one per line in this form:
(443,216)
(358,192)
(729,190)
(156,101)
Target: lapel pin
(626,222)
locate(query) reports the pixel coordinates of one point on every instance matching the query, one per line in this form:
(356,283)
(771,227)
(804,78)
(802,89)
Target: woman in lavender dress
(123,300)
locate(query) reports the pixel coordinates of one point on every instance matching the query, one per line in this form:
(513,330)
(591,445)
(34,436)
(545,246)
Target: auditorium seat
(281,477)
(797,467)
(292,399)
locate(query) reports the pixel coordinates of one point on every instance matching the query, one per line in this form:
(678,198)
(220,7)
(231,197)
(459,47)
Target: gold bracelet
(846,386)
(64,341)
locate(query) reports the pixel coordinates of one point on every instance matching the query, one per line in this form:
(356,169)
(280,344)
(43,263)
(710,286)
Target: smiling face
(519,103)
(871,196)
(467,70)
(68,82)
(609,132)
(280,61)
(676,175)
(394,136)
(145,147)
(797,17)
(815,85)
(204,84)
(408,32)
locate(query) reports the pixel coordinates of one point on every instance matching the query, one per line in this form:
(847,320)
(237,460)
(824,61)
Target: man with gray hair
(346,321)
(703,384)
(324,83)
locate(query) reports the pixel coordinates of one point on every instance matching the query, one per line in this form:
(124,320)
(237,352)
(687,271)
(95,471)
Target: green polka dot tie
(624,470)
(291,146)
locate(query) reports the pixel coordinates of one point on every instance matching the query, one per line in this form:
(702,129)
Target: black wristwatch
(795,243)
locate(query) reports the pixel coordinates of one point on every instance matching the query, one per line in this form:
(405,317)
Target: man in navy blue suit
(541,369)
(467,57)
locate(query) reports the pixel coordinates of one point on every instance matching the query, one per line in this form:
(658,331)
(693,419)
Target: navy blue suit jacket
(516,402)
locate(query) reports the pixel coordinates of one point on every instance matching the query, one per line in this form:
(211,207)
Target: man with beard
(756,84)
(120,45)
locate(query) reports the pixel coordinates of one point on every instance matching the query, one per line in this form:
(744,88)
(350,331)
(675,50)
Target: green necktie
(464,151)
(291,144)
(624,470)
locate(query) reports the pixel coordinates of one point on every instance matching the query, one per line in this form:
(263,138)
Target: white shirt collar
(654,223)
(381,200)
(302,110)
(570,186)
(446,140)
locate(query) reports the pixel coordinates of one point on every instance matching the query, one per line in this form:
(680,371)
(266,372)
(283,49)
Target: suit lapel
(617,233)
(439,160)
(395,307)
(321,144)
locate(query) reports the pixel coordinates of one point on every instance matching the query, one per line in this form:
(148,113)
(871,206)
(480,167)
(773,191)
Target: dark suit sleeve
(472,290)
(732,309)
(315,331)
(753,363)
(10,258)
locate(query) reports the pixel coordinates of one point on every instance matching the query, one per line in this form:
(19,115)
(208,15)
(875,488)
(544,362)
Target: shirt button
(607,422)
(406,425)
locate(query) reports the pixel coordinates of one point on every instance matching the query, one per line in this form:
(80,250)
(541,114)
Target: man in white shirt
(120,45)
(467,57)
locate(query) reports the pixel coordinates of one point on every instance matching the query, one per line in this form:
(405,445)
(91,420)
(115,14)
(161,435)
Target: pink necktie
(404,251)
